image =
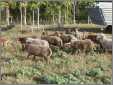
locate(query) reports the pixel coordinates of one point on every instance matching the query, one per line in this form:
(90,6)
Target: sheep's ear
(43,33)
(61,33)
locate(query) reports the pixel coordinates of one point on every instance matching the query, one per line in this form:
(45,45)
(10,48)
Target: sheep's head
(44,33)
(22,39)
(57,34)
(100,37)
(67,45)
(76,30)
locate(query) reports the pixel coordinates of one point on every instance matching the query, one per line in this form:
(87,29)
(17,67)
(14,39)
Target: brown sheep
(83,45)
(4,41)
(55,34)
(37,50)
(67,45)
(92,37)
(53,40)
(22,40)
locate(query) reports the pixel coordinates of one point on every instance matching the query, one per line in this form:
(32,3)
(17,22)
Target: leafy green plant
(27,71)
(53,79)
(77,73)
(106,80)
(95,72)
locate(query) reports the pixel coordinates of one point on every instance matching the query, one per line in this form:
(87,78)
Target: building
(101,14)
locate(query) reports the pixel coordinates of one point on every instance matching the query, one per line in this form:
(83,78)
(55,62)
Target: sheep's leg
(23,47)
(78,51)
(73,51)
(34,57)
(43,59)
(47,59)
(28,55)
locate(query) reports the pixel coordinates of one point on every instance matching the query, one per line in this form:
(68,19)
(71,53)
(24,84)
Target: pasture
(64,68)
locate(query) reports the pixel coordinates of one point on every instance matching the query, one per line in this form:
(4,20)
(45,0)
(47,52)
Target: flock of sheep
(81,41)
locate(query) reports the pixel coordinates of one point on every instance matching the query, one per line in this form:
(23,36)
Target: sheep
(92,37)
(82,45)
(73,39)
(37,41)
(105,42)
(55,34)
(66,38)
(53,40)
(37,50)
(4,41)
(67,45)
(22,40)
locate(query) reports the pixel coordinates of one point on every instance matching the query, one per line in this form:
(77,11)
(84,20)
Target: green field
(94,68)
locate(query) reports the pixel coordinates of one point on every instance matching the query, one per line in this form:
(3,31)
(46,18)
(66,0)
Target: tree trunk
(21,16)
(74,12)
(25,10)
(33,21)
(0,16)
(38,23)
(7,15)
(53,19)
(33,18)
(59,19)
(67,14)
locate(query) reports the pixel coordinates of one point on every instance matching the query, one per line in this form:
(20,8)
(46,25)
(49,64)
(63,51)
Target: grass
(94,68)
(85,26)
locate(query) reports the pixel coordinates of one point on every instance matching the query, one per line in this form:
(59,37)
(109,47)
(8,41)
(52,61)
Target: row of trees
(56,11)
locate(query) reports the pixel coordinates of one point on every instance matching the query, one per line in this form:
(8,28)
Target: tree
(2,5)
(6,6)
(25,12)
(67,5)
(13,6)
(38,13)
(82,8)
(51,8)
(7,13)
(74,3)
(33,6)
(21,14)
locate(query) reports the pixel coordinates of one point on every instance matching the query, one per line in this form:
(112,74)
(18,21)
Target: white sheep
(37,41)
(105,42)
